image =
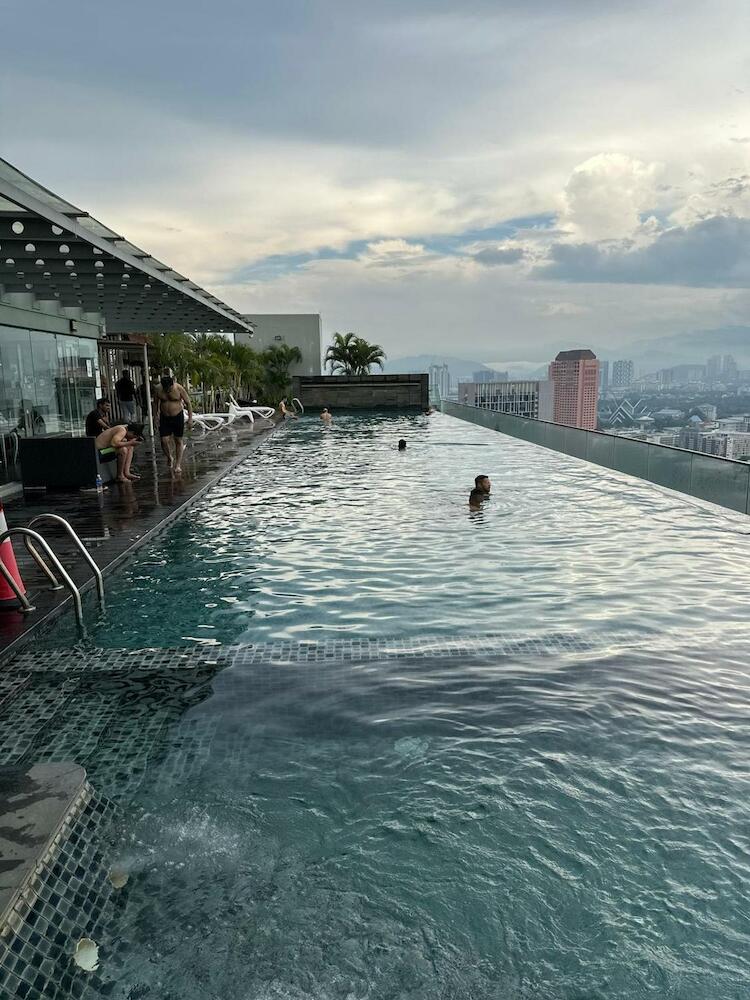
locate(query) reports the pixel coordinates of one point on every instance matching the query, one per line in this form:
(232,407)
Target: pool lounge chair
(251,412)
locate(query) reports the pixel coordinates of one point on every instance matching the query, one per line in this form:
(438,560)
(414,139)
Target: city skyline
(526,201)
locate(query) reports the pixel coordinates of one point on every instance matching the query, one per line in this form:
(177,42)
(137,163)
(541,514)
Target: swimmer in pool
(326,416)
(481,491)
(402,445)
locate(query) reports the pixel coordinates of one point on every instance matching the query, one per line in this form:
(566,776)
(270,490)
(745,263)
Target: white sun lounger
(251,412)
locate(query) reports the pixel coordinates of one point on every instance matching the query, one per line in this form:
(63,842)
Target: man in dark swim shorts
(170,398)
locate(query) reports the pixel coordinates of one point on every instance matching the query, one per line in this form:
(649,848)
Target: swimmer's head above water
(402,444)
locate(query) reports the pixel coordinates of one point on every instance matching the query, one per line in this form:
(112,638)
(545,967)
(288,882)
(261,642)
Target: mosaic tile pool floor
(297,818)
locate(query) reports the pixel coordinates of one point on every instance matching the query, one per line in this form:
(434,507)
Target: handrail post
(64,575)
(56,585)
(81,548)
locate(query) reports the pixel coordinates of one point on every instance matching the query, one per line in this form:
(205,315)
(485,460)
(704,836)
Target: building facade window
(48,383)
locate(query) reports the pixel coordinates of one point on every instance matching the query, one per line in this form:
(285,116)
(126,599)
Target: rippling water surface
(563,822)
(331,532)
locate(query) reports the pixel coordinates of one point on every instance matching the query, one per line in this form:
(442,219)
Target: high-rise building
(523,398)
(575,379)
(713,369)
(440,381)
(729,371)
(489,375)
(603,376)
(682,374)
(623,373)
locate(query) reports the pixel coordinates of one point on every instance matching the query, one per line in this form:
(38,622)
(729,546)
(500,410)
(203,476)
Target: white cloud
(393,125)
(394,253)
(606,196)
(564,309)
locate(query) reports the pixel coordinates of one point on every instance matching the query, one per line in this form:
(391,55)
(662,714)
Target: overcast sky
(492,180)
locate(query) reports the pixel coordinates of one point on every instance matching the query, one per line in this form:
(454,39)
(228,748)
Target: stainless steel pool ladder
(29,538)
(299,403)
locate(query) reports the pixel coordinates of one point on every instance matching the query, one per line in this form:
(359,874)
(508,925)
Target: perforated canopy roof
(57,251)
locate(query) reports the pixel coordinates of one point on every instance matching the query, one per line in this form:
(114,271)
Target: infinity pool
(444,754)
(332,533)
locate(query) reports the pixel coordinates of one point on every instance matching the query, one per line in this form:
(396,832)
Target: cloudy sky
(493,180)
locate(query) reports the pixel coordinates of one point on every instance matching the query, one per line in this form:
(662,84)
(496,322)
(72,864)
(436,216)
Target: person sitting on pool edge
(284,410)
(402,444)
(123,438)
(481,491)
(326,416)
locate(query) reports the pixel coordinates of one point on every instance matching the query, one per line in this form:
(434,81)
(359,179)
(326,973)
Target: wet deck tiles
(116,523)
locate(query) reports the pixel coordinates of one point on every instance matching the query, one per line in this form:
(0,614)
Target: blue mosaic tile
(64,900)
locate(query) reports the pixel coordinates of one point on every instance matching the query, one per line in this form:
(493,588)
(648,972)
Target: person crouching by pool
(326,415)
(123,438)
(171,398)
(481,491)
(284,410)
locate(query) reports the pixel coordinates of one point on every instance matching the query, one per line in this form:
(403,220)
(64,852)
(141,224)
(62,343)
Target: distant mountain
(459,367)
(690,348)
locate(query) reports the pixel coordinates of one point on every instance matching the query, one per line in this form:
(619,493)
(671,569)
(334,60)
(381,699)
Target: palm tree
(353,355)
(339,356)
(366,355)
(170,350)
(276,361)
(249,368)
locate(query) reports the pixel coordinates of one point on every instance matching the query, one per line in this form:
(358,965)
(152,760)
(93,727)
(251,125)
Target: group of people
(117,440)
(482,484)
(114,441)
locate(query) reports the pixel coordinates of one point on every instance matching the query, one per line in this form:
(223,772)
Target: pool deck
(113,525)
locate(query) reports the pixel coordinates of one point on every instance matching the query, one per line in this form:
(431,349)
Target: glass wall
(48,383)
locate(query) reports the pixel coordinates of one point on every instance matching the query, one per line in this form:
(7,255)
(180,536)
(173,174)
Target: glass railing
(719,480)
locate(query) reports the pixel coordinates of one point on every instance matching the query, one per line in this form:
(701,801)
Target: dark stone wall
(362,392)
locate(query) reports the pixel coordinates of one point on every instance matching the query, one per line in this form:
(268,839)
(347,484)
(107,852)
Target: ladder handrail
(64,575)
(295,399)
(73,534)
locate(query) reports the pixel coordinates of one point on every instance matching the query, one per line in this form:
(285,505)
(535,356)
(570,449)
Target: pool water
(332,533)
(557,810)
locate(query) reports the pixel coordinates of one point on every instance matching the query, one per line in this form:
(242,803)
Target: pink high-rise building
(575,377)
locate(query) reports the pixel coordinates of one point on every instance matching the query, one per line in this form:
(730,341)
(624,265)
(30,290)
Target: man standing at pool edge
(170,398)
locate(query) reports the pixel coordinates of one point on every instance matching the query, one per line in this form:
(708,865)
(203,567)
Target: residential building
(440,381)
(709,444)
(623,373)
(302,330)
(603,376)
(738,446)
(734,445)
(708,411)
(527,398)
(575,379)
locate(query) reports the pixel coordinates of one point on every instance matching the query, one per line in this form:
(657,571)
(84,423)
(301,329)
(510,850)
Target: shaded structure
(67,281)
